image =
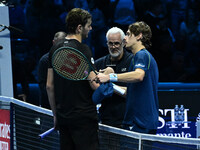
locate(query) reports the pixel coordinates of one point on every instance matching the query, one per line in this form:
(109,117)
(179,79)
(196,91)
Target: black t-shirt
(112,109)
(73,98)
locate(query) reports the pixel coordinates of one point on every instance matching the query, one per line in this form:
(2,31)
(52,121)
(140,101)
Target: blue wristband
(113,77)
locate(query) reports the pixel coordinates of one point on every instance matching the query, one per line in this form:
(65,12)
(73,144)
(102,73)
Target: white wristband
(113,77)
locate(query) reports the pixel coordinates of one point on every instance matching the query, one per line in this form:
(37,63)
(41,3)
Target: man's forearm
(51,96)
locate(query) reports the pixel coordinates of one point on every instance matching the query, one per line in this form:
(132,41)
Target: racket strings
(70,64)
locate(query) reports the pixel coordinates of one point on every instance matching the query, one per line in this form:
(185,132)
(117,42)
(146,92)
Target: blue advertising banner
(168,126)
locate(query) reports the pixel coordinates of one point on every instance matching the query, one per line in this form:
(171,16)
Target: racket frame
(81,54)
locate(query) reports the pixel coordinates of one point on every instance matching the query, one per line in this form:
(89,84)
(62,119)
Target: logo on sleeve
(123,70)
(140,65)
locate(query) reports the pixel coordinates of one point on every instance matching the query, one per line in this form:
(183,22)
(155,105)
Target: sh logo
(172,123)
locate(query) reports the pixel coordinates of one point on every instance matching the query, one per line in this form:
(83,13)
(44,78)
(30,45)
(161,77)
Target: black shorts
(82,135)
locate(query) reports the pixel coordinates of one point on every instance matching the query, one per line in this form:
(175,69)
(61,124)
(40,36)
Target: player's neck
(137,48)
(74,36)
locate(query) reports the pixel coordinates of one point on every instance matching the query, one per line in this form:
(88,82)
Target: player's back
(73,98)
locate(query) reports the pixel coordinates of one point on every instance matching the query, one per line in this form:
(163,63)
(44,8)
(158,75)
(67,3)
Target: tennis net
(27,121)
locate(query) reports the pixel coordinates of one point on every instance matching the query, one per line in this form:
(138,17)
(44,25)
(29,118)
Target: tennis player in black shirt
(74,112)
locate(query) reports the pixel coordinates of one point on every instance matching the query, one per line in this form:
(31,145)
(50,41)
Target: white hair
(114,30)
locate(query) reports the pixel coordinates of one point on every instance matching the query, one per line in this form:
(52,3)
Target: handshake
(103,75)
(107,88)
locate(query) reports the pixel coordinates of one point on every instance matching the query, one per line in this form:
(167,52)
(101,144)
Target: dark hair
(75,17)
(141,27)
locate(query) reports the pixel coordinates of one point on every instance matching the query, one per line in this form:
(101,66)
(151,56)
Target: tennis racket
(71,64)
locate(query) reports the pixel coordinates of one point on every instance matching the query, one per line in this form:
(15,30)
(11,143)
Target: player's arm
(94,85)
(133,76)
(50,92)
(128,77)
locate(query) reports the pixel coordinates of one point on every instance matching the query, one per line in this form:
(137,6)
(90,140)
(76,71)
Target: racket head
(71,64)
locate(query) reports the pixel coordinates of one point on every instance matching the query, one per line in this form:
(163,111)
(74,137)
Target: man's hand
(107,70)
(102,78)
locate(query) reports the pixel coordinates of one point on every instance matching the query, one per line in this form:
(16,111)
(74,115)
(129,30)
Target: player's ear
(123,42)
(139,37)
(79,28)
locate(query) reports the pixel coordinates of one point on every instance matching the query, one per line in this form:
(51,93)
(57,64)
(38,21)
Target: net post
(140,143)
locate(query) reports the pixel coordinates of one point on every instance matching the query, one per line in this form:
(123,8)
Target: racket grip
(118,89)
(46,133)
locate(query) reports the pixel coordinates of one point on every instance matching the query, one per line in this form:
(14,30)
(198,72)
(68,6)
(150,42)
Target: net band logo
(3,145)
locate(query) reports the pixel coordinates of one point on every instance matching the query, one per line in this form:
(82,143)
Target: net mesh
(117,139)
(28,121)
(28,125)
(75,65)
